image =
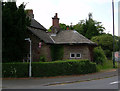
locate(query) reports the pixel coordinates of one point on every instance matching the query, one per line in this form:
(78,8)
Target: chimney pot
(56,15)
(30,13)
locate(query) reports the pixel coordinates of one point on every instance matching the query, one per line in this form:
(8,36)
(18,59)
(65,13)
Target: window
(78,55)
(72,55)
(75,55)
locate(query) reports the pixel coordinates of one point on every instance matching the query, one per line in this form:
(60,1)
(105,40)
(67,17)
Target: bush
(55,68)
(107,65)
(42,58)
(99,56)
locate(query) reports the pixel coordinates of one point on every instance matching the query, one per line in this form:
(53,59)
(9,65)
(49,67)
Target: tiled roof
(41,34)
(71,37)
(37,25)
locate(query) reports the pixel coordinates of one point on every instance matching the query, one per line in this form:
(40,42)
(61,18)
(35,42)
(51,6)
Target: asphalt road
(106,83)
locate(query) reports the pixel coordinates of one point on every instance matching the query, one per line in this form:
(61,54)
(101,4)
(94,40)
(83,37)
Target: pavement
(47,81)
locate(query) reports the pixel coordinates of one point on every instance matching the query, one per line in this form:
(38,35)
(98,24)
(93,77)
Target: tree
(89,27)
(63,26)
(99,56)
(106,43)
(79,27)
(14,25)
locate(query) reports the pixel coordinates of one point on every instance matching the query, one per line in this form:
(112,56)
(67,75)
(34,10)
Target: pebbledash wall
(85,51)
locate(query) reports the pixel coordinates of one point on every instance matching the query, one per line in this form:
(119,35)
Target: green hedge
(56,68)
(15,69)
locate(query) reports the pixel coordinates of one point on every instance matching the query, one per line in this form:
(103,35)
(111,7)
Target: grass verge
(107,65)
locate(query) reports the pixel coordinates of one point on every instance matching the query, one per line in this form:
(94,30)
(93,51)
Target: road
(106,83)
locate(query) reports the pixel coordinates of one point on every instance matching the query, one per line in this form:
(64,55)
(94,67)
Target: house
(37,33)
(75,45)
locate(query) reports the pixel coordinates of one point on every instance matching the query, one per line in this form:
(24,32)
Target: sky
(72,11)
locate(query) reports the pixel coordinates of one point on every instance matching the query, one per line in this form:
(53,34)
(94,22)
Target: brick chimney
(55,24)
(55,21)
(30,13)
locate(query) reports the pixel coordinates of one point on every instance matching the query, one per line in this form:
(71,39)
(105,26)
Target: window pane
(72,55)
(77,55)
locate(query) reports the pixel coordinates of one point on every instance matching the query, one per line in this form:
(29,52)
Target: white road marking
(115,82)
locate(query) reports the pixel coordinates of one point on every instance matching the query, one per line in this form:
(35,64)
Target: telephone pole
(113,35)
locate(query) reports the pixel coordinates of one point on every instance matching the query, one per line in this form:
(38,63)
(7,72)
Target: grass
(107,65)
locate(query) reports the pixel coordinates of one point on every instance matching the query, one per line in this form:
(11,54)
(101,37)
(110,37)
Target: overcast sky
(73,11)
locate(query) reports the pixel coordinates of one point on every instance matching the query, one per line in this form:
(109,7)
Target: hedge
(45,69)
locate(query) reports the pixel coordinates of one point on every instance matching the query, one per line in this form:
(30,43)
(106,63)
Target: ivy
(57,52)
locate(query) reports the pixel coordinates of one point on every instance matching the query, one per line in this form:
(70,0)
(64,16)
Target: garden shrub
(42,58)
(55,68)
(99,56)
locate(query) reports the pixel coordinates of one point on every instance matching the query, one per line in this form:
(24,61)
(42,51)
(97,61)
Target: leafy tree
(49,30)
(106,43)
(89,27)
(99,56)
(63,26)
(79,27)
(14,25)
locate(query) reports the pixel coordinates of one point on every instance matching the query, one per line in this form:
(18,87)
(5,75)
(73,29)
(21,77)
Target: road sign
(117,56)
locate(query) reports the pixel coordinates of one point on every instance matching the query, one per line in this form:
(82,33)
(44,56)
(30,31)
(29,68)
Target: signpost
(117,56)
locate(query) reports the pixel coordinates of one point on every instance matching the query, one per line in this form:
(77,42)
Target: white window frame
(71,54)
(78,53)
(75,55)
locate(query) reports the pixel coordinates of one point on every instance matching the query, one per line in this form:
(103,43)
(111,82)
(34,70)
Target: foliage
(55,68)
(63,26)
(42,58)
(99,56)
(14,24)
(89,27)
(57,52)
(107,65)
(117,40)
(15,69)
(79,27)
(106,43)
(49,30)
